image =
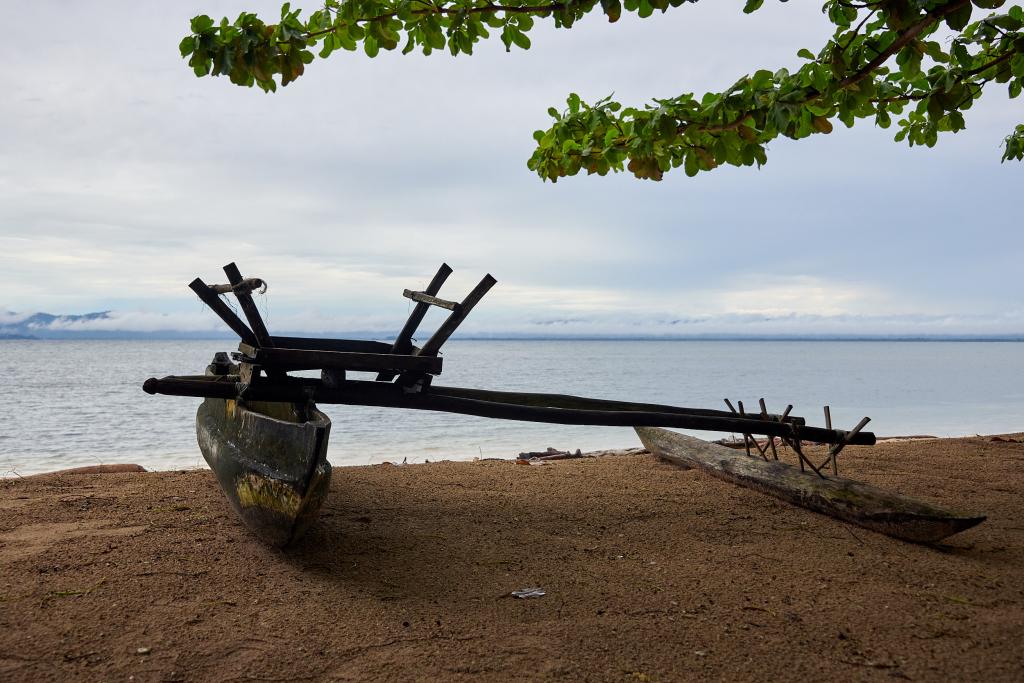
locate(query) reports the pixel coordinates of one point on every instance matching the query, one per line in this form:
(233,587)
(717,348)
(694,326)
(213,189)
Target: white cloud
(774,295)
(122,177)
(12,318)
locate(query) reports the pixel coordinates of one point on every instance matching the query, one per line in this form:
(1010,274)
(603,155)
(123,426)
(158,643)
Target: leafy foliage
(886,59)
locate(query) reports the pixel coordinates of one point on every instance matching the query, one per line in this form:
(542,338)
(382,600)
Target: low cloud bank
(203,323)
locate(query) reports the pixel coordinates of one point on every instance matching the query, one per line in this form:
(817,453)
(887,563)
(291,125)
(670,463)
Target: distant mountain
(49,326)
(109,325)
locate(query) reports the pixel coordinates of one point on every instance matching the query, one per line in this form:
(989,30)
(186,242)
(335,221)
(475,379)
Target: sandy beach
(650,573)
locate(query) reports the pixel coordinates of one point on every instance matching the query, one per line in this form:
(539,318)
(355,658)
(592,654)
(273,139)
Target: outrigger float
(262,435)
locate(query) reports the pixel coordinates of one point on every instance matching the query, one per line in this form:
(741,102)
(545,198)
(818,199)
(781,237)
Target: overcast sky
(122,177)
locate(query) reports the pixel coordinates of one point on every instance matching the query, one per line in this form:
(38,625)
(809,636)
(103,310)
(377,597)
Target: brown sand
(652,574)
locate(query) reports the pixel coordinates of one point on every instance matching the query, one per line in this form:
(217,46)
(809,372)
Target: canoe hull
(270,461)
(846,499)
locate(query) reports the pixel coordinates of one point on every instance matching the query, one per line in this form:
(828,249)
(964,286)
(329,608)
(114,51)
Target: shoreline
(650,573)
(200,465)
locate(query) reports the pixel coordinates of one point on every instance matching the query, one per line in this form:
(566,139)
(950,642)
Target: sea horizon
(184,336)
(98,413)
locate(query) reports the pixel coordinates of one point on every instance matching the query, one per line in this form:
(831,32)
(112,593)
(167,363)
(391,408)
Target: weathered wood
(569,401)
(771,441)
(271,462)
(247,372)
(828,425)
(424,298)
(302,359)
(249,284)
(244,297)
(364,393)
(404,338)
(834,451)
(852,501)
(403,342)
(323,344)
(452,322)
(212,300)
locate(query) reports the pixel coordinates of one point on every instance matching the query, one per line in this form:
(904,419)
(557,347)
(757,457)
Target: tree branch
(905,39)
(449,11)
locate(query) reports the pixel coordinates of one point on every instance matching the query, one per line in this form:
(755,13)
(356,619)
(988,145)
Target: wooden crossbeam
(323,344)
(424,298)
(249,284)
(303,359)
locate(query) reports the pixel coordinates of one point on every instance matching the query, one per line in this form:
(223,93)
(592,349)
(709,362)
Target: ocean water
(73,403)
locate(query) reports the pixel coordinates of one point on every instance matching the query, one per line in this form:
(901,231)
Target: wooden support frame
(434,344)
(847,440)
(213,300)
(764,415)
(746,437)
(795,444)
(244,296)
(828,425)
(403,342)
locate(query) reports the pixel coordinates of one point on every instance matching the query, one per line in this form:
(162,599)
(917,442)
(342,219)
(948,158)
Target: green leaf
(612,9)
(959,18)
(520,39)
(370,47)
(762,79)
(201,24)
(691,166)
(1017,65)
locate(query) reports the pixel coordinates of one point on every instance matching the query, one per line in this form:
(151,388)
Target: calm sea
(72,403)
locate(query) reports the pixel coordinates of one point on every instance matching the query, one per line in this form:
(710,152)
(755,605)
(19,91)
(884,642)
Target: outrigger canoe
(270,458)
(263,436)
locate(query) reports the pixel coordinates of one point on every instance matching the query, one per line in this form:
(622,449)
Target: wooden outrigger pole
(253,406)
(572,410)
